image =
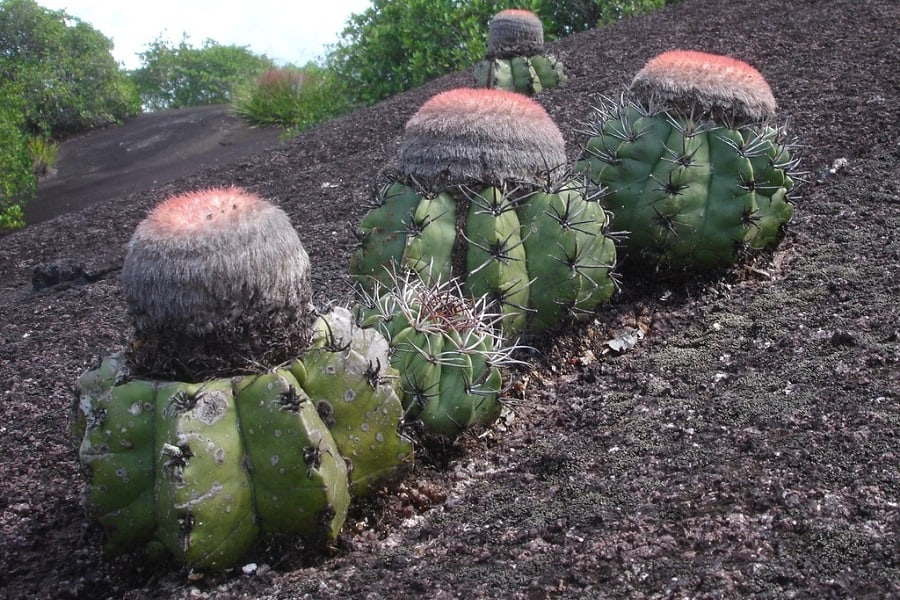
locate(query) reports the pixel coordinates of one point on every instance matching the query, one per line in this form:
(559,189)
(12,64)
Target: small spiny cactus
(482,195)
(516,60)
(691,163)
(446,350)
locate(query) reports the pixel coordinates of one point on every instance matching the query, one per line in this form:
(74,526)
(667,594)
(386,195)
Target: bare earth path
(149,150)
(746,448)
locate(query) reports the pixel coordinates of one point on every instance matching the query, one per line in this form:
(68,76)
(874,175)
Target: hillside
(747,447)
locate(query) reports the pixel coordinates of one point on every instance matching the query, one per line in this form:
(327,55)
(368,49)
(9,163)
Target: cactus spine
(516,60)
(446,350)
(692,165)
(482,195)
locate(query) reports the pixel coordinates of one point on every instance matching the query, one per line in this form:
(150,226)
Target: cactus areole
(482,195)
(516,60)
(216,281)
(691,163)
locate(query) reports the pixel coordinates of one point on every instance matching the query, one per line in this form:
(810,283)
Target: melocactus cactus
(204,466)
(516,60)
(482,195)
(216,281)
(446,350)
(693,165)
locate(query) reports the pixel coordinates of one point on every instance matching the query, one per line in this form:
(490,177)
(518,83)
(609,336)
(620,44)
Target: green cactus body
(495,256)
(694,176)
(429,247)
(467,391)
(204,468)
(528,75)
(204,495)
(539,255)
(114,423)
(445,351)
(348,377)
(299,477)
(549,70)
(484,165)
(386,227)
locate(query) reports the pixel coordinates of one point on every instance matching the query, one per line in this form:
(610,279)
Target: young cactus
(445,349)
(217,281)
(204,466)
(692,166)
(482,195)
(516,60)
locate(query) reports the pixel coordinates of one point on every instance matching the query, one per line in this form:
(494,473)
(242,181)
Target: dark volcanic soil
(747,447)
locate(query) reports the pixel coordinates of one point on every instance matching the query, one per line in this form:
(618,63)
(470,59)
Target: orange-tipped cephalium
(216,280)
(515,32)
(720,85)
(480,135)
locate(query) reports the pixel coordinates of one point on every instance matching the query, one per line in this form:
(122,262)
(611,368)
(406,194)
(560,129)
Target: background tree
(395,45)
(565,17)
(177,76)
(17,179)
(64,68)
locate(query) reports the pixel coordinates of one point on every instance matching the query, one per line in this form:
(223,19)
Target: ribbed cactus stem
(719,85)
(515,32)
(463,136)
(216,281)
(446,349)
(691,163)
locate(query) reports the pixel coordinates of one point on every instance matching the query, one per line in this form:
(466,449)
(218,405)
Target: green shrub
(17,179)
(178,76)
(291,98)
(43,154)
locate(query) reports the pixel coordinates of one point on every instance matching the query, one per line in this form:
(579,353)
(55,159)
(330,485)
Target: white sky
(286,31)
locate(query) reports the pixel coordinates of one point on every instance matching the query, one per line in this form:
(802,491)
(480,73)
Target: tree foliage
(173,76)
(17,179)
(395,45)
(565,17)
(65,69)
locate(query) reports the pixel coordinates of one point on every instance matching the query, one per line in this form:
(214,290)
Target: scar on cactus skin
(216,281)
(721,85)
(468,135)
(515,32)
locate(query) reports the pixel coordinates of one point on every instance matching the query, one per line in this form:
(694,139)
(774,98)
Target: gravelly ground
(747,447)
